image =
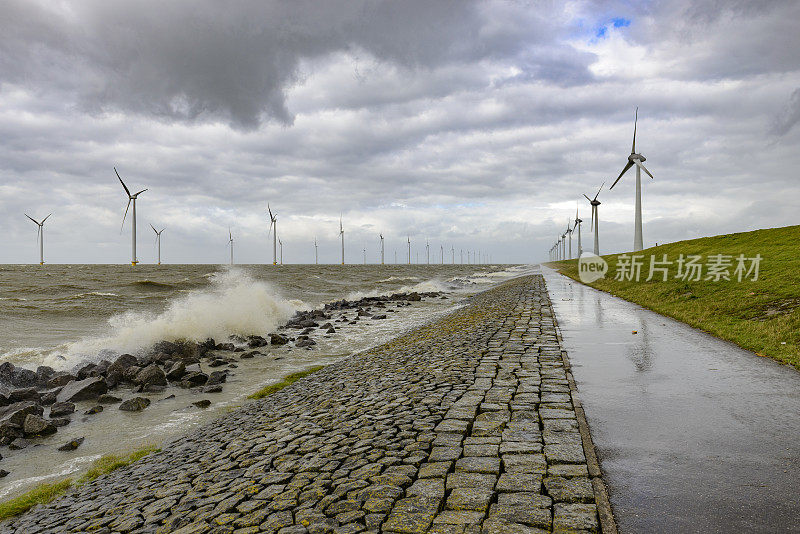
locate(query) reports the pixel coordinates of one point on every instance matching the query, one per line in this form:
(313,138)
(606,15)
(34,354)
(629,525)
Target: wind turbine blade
(43,220)
(587,198)
(126,214)
(31,218)
(123,183)
(638,164)
(598,191)
(154,229)
(635,120)
(140,192)
(627,166)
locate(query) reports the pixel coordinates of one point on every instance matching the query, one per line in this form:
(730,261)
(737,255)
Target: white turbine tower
(381,249)
(341,233)
(364,250)
(409,249)
(577,227)
(230,243)
(441,253)
(39,236)
(594,222)
(428,251)
(636,159)
(316,256)
(452,255)
(280,243)
(569,234)
(131,198)
(158,241)
(273,227)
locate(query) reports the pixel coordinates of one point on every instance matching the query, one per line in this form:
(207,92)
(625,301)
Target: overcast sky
(475,125)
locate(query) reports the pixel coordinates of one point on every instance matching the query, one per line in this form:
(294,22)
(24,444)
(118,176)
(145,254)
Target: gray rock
(108,399)
(151,375)
(24,394)
(278,339)
(62,408)
(86,389)
(18,444)
(217,377)
(72,444)
(36,425)
(93,410)
(177,371)
(204,403)
(15,413)
(60,379)
(136,404)
(60,421)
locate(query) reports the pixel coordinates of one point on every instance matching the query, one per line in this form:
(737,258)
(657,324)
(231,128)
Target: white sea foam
(234,304)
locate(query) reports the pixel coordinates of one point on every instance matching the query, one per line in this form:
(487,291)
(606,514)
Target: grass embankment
(762,316)
(44,493)
(286,381)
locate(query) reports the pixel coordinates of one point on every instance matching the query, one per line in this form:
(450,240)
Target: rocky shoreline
(467,425)
(36,403)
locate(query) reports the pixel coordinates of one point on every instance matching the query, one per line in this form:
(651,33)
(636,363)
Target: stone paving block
(501,526)
(434,469)
(470,480)
(570,490)
(458,517)
(516,482)
(567,470)
(521,447)
(479,464)
(476,499)
(481,450)
(532,517)
(565,454)
(454,426)
(444,454)
(575,517)
(525,463)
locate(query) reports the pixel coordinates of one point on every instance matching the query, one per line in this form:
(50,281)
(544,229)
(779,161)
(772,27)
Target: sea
(64,315)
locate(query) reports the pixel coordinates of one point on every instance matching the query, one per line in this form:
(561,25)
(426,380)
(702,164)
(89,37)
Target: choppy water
(61,315)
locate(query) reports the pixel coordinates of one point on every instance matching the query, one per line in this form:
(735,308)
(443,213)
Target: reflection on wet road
(694,434)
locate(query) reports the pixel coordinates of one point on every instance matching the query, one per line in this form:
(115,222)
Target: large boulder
(35,425)
(84,371)
(15,413)
(256,341)
(194,378)
(125,361)
(23,378)
(152,375)
(61,408)
(136,404)
(6,372)
(72,444)
(177,371)
(278,339)
(86,389)
(43,374)
(217,377)
(60,379)
(24,394)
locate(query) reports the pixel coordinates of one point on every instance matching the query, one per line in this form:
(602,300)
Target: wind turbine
(316,257)
(131,198)
(428,251)
(409,249)
(280,243)
(452,255)
(273,227)
(569,233)
(158,240)
(230,243)
(577,226)
(462,256)
(594,202)
(381,249)
(636,159)
(341,233)
(441,253)
(365,255)
(40,236)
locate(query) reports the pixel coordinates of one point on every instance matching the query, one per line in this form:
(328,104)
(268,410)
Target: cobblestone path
(466,425)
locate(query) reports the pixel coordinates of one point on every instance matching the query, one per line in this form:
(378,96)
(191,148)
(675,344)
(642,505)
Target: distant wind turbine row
(277,243)
(562,249)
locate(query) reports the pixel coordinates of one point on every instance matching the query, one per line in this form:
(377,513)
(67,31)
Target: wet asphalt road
(694,434)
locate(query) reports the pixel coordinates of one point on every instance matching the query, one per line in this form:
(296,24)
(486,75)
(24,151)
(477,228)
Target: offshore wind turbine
(441,253)
(273,227)
(158,241)
(577,226)
(341,234)
(409,249)
(131,198)
(280,243)
(452,255)
(230,243)
(594,223)
(636,159)
(382,249)
(316,256)
(365,255)
(428,251)
(39,236)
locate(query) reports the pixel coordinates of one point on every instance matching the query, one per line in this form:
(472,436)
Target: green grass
(286,381)
(111,462)
(41,494)
(44,493)
(762,316)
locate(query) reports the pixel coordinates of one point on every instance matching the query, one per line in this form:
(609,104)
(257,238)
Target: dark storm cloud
(208,60)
